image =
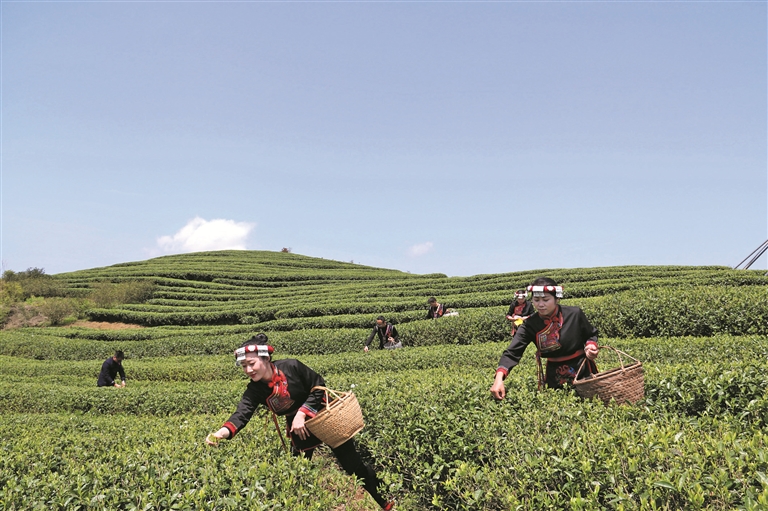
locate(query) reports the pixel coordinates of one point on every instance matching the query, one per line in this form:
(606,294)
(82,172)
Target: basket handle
(578,371)
(618,352)
(327,390)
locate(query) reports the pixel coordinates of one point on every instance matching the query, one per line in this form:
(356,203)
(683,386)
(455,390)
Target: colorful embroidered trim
(279,401)
(540,290)
(232,429)
(309,412)
(548,339)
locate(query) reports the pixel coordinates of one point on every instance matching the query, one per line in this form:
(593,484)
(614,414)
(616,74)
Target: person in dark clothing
(387,335)
(562,335)
(109,370)
(285,387)
(519,310)
(436,310)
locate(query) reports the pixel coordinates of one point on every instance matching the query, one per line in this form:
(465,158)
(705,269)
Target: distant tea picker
(287,388)
(387,333)
(519,310)
(562,334)
(437,310)
(110,369)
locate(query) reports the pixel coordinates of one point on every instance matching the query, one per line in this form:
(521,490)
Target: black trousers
(352,463)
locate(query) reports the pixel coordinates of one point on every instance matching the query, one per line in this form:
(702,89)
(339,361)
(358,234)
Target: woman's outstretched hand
(213,438)
(498,391)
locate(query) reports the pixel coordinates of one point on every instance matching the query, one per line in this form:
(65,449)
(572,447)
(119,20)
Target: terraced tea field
(699,440)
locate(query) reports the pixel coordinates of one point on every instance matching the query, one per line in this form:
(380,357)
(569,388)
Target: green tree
(109,294)
(35,282)
(57,309)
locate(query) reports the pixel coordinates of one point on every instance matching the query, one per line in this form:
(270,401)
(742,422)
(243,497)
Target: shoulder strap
(277,427)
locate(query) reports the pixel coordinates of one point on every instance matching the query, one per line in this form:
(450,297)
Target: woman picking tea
(561,334)
(285,387)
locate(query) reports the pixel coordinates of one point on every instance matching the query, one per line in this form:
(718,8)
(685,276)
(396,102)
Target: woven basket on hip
(623,384)
(340,420)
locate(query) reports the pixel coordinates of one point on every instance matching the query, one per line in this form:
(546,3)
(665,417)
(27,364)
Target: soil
(23,315)
(358,499)
(26,316)
(18,321)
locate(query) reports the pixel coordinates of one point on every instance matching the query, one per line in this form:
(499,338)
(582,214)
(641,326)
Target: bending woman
(561,334)
(284,387)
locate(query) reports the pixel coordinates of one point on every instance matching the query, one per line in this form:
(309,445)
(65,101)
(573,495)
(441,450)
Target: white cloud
(420,249)
(201,235)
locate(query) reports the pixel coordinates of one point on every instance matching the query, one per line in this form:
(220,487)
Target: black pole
(754,259)
(759,250)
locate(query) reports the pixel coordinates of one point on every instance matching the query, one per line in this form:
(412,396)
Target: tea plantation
(699,439)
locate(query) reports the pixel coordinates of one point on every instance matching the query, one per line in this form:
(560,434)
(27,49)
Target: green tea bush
(439,441)
(697,311)
(82,396)
(253,288)
(719,388)
(147,318)
(469,327)
(42,346)
(712,351)
(457,449)
(127,463)
(191,368)
(636,311)
(697,441)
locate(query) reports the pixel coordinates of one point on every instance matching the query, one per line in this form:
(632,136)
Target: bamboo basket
(623,384)
(340,420)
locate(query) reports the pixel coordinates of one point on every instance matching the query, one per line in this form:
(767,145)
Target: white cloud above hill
(201,235)
(420,249)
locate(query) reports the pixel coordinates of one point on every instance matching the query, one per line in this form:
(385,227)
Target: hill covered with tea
(698,440)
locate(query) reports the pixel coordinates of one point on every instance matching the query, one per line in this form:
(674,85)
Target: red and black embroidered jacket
(574,334)
(526,309)
(286,394)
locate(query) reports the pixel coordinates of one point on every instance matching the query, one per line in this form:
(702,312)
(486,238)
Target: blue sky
(453,137)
